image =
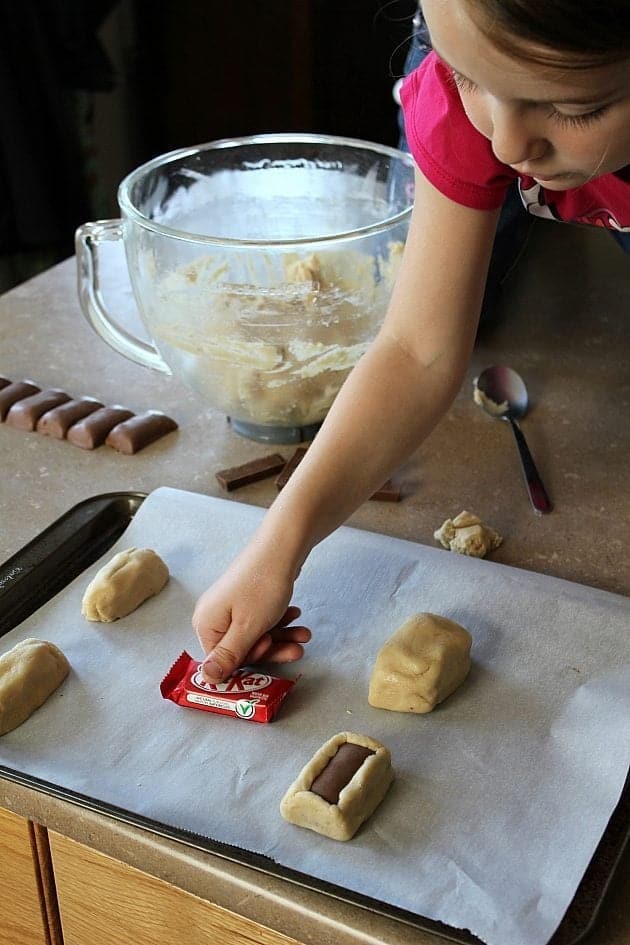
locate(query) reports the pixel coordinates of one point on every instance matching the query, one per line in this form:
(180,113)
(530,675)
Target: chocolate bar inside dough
(339,771)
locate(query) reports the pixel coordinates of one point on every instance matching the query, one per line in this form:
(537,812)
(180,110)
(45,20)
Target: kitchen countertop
(562,324)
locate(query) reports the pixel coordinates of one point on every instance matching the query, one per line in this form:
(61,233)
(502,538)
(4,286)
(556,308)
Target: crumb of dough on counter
(467,535)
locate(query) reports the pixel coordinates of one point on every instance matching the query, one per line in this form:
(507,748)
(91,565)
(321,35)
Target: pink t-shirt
(459,161)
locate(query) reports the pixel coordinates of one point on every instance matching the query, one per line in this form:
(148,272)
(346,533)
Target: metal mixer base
(271,434)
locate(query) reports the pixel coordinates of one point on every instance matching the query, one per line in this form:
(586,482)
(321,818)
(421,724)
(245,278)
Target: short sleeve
(449,151)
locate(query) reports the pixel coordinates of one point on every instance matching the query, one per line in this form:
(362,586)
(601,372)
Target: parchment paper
(501,794)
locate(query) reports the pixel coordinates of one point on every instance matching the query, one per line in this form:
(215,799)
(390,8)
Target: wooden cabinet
(55,891)
(21,900)
(104,900)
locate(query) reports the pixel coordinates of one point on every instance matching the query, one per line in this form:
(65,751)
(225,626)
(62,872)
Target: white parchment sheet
(501,793)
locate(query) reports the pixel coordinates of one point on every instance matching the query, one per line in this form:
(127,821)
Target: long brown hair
(589,32)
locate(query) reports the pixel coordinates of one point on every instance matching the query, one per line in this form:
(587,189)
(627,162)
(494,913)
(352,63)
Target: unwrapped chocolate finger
(14,391)
(25,412)
(93,430)
(255,469)
(290,466)
(340,787)
(57,421)
(389,492)
(134,434)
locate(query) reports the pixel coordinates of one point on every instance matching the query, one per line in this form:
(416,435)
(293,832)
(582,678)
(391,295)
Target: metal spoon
(502,393)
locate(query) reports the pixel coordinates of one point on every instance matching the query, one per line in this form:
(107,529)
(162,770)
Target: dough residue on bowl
(273,344)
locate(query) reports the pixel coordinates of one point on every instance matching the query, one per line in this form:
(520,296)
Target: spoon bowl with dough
(502,393)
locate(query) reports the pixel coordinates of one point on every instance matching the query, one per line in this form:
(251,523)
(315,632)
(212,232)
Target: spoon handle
(537,493)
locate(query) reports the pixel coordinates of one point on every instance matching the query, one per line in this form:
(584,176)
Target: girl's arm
(390,402)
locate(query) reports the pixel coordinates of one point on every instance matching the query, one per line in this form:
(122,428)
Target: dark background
(89,90)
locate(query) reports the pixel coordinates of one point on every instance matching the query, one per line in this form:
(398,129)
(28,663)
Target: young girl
(536,91)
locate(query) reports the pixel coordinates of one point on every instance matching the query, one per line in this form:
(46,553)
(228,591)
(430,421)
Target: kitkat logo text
(242,680)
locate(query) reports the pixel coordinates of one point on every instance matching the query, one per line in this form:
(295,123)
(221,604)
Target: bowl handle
(87,239)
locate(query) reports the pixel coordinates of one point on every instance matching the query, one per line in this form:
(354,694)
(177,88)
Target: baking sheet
(501,794)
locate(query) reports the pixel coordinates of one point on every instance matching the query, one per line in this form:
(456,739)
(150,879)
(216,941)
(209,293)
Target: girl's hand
(243,617)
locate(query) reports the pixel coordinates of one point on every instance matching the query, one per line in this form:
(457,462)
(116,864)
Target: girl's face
(560,126)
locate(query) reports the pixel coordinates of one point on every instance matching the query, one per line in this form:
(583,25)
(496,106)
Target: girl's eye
(462,83)
(577,121)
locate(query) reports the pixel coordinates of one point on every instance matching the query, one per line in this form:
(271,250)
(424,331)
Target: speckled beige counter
(563,326)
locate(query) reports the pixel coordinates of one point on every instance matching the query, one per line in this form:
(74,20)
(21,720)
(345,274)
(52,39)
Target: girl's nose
(514,136)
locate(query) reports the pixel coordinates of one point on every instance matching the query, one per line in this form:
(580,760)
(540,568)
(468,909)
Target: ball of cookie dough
(121,586)
(420,665)
(29,674)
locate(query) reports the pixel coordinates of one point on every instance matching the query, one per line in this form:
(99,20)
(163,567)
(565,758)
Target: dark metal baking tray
(71,544)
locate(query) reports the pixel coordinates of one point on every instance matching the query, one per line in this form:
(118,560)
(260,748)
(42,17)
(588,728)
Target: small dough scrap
(357,800)
(29,674)
(467,535)
(123,584)
(420,665)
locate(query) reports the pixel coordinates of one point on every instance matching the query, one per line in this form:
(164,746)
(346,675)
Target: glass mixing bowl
(262,268)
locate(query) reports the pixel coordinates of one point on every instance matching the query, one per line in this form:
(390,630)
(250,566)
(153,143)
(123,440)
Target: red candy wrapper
(247,694)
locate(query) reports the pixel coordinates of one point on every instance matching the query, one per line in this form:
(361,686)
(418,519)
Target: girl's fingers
(284,652)
(296,634)
(281,645)
(290,614)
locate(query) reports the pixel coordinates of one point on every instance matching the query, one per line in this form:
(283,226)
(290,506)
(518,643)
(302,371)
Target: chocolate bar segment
(389,492)
(13,392)
(57,422)
(93,430)
(25,413)
(255,469)
(4,382)
(339,771)
(134,434)
(290,466)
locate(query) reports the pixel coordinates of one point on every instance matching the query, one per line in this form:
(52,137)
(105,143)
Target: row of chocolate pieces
(275,465)
(84,422)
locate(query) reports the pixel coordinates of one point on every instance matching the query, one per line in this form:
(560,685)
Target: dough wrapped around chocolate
(340,787)
(420,665)
(29,674)
(130,578)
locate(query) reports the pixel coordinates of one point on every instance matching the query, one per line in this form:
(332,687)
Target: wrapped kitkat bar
(248,694)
